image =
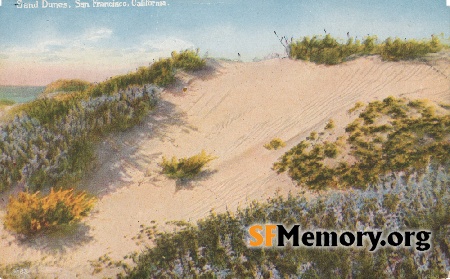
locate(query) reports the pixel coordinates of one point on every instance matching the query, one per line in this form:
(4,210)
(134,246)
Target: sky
(40,45)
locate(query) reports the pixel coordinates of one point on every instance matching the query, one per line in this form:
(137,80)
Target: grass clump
(66,85)
(356,107)
(397,49)
(275,144)
(188,60)
(185,168)
(328,50)
(330,125)
(161,73)
(389,136)
(5,103)
(31,213)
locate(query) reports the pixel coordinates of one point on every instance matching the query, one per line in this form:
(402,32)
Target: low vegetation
(49,142)
(188,60)
(5,103)
(275,144)
(330,125)
(31,213)
(216,247)
(66,85)
(328,50)
(160,73)
(389,136)
(18,270)
(185,168)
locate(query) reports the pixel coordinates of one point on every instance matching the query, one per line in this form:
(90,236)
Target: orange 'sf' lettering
(254,232)
(270,235)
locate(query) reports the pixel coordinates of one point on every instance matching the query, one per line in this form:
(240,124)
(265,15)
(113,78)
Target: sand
(231,112)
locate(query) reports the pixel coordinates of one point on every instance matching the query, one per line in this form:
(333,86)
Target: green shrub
(313,135)
(357,106)
(330,125)
(327,50)
(389,136)
(48,110)
(275,144)
(66,85)
(397,49)
(319,50)
(370,44)
(188,60)
(161,73)
(185,167)
(390,202)
(30,213)
(4,103)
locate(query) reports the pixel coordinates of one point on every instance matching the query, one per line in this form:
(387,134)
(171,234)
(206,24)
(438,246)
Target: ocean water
(20,94)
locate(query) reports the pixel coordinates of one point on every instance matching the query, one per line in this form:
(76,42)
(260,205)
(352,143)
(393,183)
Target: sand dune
(230,112)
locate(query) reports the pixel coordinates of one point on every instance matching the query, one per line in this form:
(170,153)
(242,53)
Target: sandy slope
(231,113)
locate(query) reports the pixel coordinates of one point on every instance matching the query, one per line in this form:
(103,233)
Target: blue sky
(41,45)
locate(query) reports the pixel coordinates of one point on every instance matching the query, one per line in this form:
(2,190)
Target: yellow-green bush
(276,143)
(66,85)
(389,136)
(330,125)
(188,60)
(328,50)
(4,103)
(185,167)
(357,106)
(397,49)
(30,213)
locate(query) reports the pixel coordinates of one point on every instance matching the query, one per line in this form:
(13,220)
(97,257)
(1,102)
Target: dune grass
(328,50)
(275,144)
(66,85)
(330,125)
(389,136)
(188,60)
(160,73)
(185,168)
(5,103)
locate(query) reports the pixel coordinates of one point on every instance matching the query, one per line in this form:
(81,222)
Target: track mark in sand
(389,79)
(224,126)
(367,82)
(351,85)
(344,79)
(207,98)
(438,95)
(438,71)
(218,103)
(195,102)
(200,206)
(413,73)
